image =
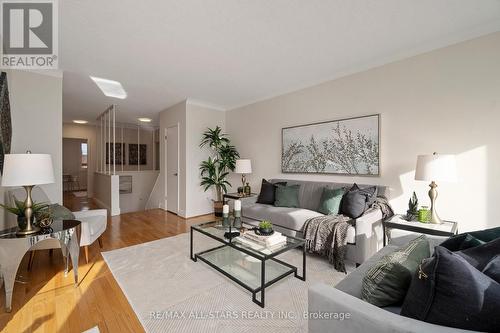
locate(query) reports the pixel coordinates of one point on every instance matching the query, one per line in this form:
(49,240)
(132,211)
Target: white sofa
(364,236)
(93,221)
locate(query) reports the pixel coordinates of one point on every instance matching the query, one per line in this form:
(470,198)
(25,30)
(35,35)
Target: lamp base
(33,230)
(433,196)
(29,228)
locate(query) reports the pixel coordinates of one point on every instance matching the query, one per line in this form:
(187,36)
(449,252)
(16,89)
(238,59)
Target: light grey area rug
(171,293)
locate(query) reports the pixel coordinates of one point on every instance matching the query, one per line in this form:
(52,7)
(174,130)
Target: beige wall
(72,162)
(36,113)
(85,132)
(446,101)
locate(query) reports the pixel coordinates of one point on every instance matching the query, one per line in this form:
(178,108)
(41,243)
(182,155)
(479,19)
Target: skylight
(110,88)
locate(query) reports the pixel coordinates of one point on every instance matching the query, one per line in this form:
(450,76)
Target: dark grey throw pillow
(357,200)
(287,196)
(267,192)
(387,282)
(447,290)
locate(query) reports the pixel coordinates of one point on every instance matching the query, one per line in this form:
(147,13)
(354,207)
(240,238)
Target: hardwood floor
(49,302)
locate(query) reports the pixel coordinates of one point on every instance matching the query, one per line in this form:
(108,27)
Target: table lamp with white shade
(27,170)
(243,167)
(436,167)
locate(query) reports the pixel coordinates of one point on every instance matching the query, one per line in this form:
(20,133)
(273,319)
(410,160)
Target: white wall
(106,192)
(85,132)
(142,184)
(36,113)
(199,118)
(171,117)
(193,119)
(446,101)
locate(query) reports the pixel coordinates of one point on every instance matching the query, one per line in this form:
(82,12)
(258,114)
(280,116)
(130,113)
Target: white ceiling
(234,52)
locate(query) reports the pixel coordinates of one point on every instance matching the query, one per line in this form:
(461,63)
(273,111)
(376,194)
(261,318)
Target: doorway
(75,166)
(172,169)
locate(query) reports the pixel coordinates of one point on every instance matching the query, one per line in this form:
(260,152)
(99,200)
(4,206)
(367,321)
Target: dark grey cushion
(357,200)
(267,192)
(447,290)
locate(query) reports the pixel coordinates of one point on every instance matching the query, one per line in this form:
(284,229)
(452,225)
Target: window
(84,155)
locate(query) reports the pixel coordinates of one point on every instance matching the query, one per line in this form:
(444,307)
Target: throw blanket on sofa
(382,203)
(327,236)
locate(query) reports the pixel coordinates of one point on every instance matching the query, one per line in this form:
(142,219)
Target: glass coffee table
(253,267)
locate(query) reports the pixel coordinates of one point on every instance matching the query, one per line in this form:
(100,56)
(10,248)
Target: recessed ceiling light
(145,120)
(80,121)
(110,88)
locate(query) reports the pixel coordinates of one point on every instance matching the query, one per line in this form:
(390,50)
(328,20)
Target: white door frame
(166,166)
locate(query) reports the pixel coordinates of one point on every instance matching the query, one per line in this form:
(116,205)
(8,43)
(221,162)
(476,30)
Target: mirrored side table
(14,247)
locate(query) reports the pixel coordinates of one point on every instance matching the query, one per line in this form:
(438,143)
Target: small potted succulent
(265,228)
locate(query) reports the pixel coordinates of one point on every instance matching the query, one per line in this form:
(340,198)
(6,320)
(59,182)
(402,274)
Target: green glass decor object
(248,189)
(240,190)
(424,214)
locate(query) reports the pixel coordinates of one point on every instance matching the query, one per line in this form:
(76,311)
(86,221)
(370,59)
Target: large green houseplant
(215,170)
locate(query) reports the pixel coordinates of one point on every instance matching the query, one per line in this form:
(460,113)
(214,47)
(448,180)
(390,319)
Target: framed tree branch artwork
(344,147)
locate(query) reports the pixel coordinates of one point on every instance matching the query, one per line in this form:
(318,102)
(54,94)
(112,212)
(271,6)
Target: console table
(447,228)
(237,196)
(14,247)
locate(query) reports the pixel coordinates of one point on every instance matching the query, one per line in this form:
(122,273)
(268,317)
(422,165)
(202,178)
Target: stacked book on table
(257,242)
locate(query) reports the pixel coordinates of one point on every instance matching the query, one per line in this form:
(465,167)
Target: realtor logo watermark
(29,34)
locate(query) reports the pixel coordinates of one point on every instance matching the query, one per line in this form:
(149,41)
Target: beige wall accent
(446,101)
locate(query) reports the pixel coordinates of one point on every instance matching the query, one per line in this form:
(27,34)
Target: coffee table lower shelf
(253,274)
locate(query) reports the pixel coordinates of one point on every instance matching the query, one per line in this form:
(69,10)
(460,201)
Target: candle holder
(232,233)
(237,219)
(226,222)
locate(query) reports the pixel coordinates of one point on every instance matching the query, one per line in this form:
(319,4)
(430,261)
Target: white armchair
(93,225)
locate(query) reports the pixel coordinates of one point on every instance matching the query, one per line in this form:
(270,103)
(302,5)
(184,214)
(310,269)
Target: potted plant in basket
(215,170)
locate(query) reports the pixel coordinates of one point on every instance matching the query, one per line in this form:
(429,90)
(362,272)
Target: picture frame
(348,146)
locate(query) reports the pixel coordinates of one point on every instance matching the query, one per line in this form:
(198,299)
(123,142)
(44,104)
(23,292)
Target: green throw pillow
(387,282)
(61,213)
(330,201)
(287,196)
